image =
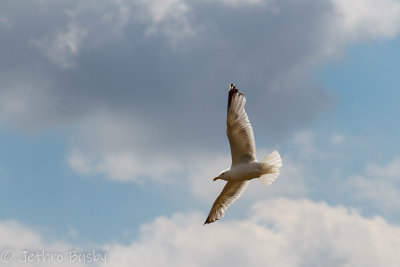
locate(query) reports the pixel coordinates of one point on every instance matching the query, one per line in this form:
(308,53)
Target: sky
(112,126)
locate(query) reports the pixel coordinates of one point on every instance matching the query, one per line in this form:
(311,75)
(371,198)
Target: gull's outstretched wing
(238,129)
(243,150)
(232,191)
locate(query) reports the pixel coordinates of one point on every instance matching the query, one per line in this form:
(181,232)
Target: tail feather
(270,168)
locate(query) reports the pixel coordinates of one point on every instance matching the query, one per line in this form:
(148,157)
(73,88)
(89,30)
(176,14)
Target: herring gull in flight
(244,163)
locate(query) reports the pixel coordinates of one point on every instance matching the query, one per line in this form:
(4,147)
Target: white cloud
(357,21)
(81,163)
(383,194)
(306,145)
(169,17)
(277,232)
(368,18)
(337,139)
(17,241)
(379,186)
(123,166)
(63,48)
(391,170)
(116,145)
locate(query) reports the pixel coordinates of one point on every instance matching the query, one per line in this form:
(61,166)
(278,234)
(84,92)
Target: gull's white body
(242,172)
(244,163)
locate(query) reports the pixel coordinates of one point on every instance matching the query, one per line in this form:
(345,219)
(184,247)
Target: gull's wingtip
(232,91)
(208,221)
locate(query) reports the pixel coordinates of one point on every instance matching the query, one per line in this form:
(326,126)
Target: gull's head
(223,176)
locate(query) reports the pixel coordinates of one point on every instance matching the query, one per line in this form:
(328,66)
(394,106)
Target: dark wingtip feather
(232,91)
(208,220)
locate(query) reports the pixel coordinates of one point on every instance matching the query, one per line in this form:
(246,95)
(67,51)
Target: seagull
(245,166)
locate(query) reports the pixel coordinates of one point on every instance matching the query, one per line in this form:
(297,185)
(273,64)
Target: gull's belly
(245,171)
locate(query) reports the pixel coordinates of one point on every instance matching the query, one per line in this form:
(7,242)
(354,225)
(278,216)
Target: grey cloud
(164,63)
(143,74)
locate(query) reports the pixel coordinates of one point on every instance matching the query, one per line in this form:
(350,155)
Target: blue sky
(112,126)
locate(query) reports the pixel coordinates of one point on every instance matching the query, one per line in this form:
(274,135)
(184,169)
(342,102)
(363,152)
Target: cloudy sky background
(112,125)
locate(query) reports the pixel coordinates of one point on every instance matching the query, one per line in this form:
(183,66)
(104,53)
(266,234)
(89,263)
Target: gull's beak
(216,178)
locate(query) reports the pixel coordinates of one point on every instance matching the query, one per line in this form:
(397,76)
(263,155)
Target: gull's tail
(270,168)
